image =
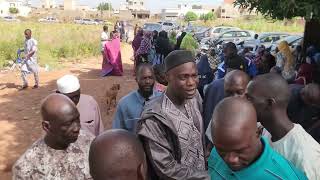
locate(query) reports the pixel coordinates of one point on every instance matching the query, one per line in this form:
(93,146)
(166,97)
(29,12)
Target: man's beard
(146,94)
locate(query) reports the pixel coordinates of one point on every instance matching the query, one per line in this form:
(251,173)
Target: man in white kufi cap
(90,117)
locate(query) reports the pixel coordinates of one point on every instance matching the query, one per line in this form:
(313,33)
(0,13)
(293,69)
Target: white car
(11,19)
(216,31)
(49,20)
(78,21)
(168,26)
(89,22)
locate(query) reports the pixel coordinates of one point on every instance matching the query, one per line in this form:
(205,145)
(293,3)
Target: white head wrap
(68,84)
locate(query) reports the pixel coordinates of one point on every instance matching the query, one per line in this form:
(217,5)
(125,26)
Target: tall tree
(288,9)
(104,6)
(190,16)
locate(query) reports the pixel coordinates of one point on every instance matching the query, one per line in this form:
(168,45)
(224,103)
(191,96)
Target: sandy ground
(20,121)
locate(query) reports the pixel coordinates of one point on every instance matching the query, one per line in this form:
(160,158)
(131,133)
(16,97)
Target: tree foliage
(104,6)
(13,10)
(190,16)
(283,9)
(207,17)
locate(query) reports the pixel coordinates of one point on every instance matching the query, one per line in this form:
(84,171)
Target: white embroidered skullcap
(68,84)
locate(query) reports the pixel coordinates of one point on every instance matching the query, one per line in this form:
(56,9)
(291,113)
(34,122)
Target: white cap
(68,84)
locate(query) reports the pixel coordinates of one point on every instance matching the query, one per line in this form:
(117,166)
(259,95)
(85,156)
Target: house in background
(48,4)
(181,10)
(228,10)
(23,7)
(136,7)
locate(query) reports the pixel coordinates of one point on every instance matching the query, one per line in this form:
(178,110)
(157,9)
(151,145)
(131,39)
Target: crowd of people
(184,122)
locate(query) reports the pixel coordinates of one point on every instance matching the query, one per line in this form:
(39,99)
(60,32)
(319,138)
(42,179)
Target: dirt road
(20,121)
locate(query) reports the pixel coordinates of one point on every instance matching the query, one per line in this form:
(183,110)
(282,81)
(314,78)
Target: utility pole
(109,8)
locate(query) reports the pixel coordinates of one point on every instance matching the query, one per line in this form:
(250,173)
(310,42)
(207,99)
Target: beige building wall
(69,4)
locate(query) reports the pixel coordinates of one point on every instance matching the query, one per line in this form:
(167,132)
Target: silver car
(11,19)
(266,39)
(89,22)
(152,27)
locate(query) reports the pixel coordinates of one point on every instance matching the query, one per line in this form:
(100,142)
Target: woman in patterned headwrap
(142,53)
(286,61)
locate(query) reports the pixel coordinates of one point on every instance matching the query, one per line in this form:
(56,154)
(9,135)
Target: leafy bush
(13,10)
(208,17)
(190,16)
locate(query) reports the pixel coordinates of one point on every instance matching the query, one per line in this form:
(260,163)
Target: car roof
(264,34)
(290,38)
(226,27)
(152,24)
(235,30)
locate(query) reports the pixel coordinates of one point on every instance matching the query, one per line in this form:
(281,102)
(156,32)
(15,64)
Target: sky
(153,5)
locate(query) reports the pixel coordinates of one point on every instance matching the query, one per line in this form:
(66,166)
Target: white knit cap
(68,84)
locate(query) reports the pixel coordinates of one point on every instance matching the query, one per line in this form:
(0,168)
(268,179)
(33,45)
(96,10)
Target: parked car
(234,36)
(152,27)
(216,31)
(89,22)
(266,39)
(205,32)
(49,20)
(168,26)
(293,42)
(193,29)
(11,19)
(99,21)
(77,20)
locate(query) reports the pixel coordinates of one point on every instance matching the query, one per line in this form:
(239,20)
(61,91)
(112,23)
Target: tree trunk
(311,34)
(312,37)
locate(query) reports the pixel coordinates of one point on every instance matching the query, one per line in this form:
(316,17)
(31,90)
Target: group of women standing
(153,47)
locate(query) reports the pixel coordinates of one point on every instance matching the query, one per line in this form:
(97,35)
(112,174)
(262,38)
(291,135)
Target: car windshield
(168,24)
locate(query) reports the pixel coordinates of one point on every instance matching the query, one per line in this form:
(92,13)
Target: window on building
(141,3)
(223,10)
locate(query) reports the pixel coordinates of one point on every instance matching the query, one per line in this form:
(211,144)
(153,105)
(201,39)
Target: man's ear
(271,102)
(141,172)
(259,131)
(46,126)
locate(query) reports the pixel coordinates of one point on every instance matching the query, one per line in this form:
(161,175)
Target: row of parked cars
(160,26)
(233,34)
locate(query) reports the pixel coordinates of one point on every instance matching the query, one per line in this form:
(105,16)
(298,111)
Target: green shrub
(189,43)
(190,16)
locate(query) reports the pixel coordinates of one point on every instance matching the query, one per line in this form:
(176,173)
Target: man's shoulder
(216,85)
(88,98)
(129,97)
(84,138)
(31,156)
(217,82)
(32,40)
